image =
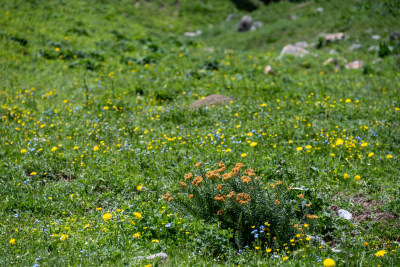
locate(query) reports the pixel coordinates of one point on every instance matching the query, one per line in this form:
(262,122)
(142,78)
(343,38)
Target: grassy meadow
(98,143)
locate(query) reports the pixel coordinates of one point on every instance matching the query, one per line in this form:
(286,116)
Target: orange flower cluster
(245,179)
(312,216)
(220,197)
(198,164)
(278,182)
(277,202)
(243,198)
(197,181)
(249,172)
(221,166)
(188,176)
(212,175)
(191,195)
(220,212)
(183,184)
(167,197)
(226,176)
(219,187)
(231,194)
(236,169)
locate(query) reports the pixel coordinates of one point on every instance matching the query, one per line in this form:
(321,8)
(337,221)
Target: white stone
(345,214)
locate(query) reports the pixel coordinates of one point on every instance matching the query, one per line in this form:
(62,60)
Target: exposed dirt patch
(370,210)
(376,216)
(62,177)
(210,100)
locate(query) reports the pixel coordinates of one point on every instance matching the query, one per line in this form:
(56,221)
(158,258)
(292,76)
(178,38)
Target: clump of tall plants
(268,212)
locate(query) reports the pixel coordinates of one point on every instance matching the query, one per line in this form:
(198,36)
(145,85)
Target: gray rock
(162,256)
(354,65)
(317,239)
(319,9)
(293,50)
(302,44)
(332,37)
(193,34)
(376,37)
(394,36)
(268,70)
(244,24)
(230,17)
(256,25)
(354,47)
(345,214)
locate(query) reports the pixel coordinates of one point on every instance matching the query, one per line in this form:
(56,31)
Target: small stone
(326,62)
(268,70)
(230,17)
(193,34)
(162,256)
(319,9)
(354,47)
(376,37)
(345,214)
(256,25)
(293,50)
(394,36)
(355,65)
(332,37)
(302,44)
(244,24)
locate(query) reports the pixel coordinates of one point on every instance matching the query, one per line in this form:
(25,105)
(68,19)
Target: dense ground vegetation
(96,133)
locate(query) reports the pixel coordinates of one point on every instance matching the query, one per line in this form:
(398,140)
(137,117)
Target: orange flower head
(188,176)
(220,212)
(198,164)
(197,181)
(226,176)
(245,179)
(220,197)
(219,187)
(183,184)
(242,198)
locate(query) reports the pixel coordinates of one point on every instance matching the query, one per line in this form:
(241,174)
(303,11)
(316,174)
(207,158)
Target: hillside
(111,147)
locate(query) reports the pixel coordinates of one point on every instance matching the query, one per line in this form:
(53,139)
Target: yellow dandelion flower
(357,177)
(345,176)
(328,262)
(380,253)
(33,173)
(136,235)
(138,215)
(139,187)
(63,237)
(253,144)
(23,151)
(370,154)
(389,156)
(12,241)
(107,216)
(268,250)
(54,148)
(96,148)
(243,155)
(339,142)
(299,148)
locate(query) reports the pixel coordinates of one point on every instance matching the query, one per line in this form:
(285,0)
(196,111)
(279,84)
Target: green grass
(94,104)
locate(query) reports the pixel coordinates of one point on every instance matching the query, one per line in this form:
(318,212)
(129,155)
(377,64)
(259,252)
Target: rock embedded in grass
(210,100)
(294,50)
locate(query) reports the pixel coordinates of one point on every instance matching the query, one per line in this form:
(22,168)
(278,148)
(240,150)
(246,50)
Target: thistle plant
(256,210)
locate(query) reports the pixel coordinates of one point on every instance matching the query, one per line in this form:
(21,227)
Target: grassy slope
(112,38)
